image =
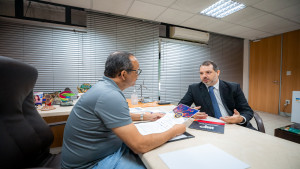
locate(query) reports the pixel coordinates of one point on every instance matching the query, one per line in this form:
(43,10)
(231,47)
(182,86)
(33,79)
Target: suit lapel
(223,90)
(206,99)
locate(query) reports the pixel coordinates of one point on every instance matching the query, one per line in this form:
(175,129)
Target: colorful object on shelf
(84,88)
(291,129)
(66,96)
(38,98)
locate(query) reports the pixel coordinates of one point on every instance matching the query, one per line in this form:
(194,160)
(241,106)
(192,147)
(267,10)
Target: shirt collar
(111,81)
(216,86)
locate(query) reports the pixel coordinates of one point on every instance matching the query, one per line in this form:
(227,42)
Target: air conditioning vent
(188,34)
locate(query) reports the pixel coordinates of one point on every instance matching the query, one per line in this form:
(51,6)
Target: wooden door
(264,74)
(290,63)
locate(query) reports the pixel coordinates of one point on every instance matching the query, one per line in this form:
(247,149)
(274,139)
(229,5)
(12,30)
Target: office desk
(66,110)
(61,113)
(57,115)
(259,150)
(58,111)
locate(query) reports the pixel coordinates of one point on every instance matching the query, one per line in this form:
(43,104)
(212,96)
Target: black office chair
(259,122)
(25,138)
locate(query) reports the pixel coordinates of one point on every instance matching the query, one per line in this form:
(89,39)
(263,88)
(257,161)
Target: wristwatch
(142,117)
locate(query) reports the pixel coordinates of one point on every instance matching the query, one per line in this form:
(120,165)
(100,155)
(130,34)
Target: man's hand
(235,118)
(179,128)
(152,116)
(200,115)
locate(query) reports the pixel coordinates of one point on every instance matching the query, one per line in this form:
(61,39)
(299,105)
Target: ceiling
(260,18)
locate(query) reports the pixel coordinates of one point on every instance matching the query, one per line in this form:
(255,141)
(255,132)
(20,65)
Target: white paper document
(161,125)
(205,157)
(137,110)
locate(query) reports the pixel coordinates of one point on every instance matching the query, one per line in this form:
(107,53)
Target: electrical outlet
(287,102)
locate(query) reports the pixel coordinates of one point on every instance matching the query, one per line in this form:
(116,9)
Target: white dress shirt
(219,100)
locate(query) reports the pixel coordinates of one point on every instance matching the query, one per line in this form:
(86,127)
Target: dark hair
(37,97)
(208,62)
(116,63)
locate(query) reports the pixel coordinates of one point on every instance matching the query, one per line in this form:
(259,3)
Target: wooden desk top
(257,149)
(66,110)
(58,111)
(151,104)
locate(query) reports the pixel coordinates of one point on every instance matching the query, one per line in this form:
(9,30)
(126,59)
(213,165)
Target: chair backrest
(259,122)
(25,137)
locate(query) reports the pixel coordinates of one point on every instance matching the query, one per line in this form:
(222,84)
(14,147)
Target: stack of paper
(205,157)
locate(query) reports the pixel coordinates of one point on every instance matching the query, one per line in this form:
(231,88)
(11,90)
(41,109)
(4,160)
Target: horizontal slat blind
(180,63)
(179,67)
(109,33)
(67,59)
(227,52)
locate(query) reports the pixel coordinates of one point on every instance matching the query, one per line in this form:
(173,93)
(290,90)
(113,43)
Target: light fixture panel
(222,8)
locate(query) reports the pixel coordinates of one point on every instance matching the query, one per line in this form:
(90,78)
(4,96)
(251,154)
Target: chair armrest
(259,122)
(57,123)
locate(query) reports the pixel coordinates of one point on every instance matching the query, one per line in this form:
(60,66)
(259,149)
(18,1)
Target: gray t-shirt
(88,137)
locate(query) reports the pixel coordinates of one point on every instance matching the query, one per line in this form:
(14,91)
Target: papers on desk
(205,157)
(161,125)
(159,109)
(211,125)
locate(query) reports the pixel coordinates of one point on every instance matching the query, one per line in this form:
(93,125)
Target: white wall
(246,63)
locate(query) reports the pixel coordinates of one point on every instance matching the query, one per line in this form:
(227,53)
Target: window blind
(180,63)
(66,58)
(179,67)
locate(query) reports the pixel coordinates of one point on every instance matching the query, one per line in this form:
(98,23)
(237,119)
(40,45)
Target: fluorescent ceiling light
(222,8)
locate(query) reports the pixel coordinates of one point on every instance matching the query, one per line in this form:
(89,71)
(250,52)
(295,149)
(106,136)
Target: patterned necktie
(214,102)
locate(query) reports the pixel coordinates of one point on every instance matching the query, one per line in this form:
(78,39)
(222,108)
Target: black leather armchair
(259,122)
(25,138)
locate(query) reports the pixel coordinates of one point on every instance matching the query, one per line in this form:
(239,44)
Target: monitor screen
(295,117)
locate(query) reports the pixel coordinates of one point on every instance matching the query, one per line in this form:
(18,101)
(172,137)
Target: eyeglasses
(138,71)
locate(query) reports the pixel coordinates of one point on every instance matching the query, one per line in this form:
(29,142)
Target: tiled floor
(272,121)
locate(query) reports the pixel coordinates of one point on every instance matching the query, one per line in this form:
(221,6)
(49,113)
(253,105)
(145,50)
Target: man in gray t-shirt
(99,132)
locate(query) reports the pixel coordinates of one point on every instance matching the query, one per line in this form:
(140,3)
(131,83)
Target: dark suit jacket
(231,94)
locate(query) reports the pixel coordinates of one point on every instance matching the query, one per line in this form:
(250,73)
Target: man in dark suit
(217,98)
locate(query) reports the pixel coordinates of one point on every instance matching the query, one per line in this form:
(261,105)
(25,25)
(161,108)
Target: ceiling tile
(235,30)
(244,15)
(249,2)
(199,22)
(168,16)
(274,24)
(145,11)
(79,3)
(165,3)
(112,6)
(193,6)
(290,12)
(275,5)
(296,19)
(253,34)
(261,21)
(219,26)
(289,29)
(261,18)
(263,35)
